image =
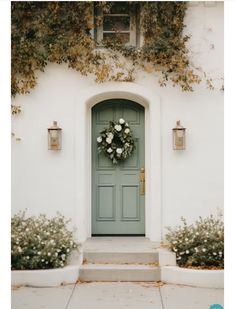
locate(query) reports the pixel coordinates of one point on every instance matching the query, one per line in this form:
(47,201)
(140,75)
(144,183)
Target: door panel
(130,203)
(117,206)
(106,203)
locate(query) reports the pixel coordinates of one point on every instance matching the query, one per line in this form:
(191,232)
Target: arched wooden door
(118,208)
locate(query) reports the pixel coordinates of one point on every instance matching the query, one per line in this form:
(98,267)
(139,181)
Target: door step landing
(122,259)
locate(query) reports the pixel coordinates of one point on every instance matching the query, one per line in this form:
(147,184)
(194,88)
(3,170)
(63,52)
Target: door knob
(142,181)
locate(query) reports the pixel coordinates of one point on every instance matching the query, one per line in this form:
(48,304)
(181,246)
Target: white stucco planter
(50,277)
(193,277)
(45,277)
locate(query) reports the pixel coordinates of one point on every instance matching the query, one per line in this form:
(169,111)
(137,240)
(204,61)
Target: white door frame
(82,153)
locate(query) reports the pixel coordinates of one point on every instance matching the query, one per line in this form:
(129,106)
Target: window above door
(120,23)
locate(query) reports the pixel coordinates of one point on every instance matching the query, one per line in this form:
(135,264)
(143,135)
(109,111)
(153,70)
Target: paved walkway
(116,295)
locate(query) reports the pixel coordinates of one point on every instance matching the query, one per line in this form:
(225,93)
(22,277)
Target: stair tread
(120,252)
(118,266)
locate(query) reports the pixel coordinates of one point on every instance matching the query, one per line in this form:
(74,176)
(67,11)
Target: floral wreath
(116,141)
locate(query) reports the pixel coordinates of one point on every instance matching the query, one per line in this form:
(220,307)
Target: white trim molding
(86,99)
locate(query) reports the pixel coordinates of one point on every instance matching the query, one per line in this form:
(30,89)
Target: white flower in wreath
(121,121)
(127,130)
(119,150)
(109,150)
(108,140)
(110,135)
(118,127)
(99,139)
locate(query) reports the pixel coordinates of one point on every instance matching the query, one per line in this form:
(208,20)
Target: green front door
(118,205)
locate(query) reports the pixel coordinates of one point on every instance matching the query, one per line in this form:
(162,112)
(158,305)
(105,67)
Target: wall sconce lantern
(54,137)
(179,137)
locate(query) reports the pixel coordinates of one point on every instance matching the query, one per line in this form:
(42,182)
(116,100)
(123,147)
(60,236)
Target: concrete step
(119,272)
(120,257)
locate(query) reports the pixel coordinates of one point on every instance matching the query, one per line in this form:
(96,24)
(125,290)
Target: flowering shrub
(199,244)
(39,242)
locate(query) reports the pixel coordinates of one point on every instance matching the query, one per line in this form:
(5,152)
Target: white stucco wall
(191,180)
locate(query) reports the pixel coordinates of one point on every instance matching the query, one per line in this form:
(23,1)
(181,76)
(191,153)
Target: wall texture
(191,180)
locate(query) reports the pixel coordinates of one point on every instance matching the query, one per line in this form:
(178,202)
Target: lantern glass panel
(54,134)
(180,133)
(179,139)
(54,139)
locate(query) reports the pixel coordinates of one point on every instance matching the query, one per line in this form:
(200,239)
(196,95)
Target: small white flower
(197,233)
(204,250)
(109,150)
(39,253)
(187,251)
(63,256)
(119,150)
(117,127)
(181,253)
(186,239)
(108,140)
(121,121)
(205,240)
(175,249)
(68,250)
(27,230)
(127,130)
(49,253)
(99,139)
(220,253)
(179,258)
(110,135)
(196,249)
(214,253)
(56,254)
(174,242)
(27,257)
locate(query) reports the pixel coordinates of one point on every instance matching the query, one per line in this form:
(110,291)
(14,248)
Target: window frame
(133,31)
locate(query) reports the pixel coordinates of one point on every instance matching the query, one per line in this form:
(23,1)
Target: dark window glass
(116,23)
(119,8)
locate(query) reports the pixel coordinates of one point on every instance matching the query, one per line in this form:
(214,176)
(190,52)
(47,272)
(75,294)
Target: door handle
(142,181)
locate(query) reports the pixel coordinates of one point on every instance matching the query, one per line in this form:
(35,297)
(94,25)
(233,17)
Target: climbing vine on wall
(61,32)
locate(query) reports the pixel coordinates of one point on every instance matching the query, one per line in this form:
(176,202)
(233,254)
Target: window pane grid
(118,31)
(119,23)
